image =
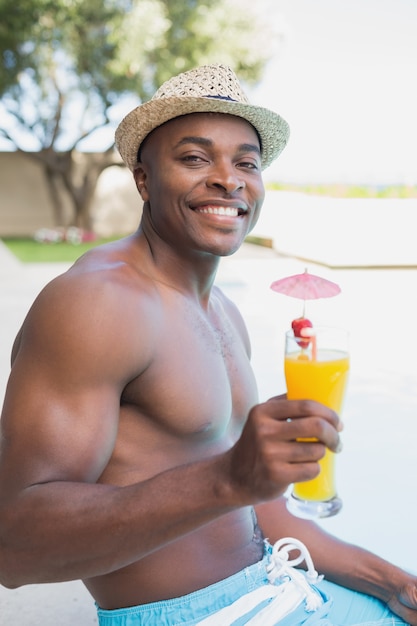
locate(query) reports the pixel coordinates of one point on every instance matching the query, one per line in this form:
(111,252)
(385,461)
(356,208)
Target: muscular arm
(59,427)
(343,563)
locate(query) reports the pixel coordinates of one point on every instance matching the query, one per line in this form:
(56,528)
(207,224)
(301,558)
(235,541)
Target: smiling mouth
(226,211)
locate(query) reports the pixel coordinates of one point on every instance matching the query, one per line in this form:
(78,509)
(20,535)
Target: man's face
(201,177)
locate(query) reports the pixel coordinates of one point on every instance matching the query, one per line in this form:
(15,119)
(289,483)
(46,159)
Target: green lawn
(30,251)
(349,191)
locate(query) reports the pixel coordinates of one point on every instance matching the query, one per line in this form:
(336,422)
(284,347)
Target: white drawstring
(281,567)
(282,599)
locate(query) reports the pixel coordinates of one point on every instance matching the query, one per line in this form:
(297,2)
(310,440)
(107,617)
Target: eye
(193,158)
(250,165)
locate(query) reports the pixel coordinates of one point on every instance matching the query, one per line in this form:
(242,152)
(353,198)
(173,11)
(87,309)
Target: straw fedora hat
(206,89)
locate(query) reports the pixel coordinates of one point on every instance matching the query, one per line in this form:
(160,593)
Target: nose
(225,177)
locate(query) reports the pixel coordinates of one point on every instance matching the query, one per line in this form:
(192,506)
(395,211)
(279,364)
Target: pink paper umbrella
(306,286)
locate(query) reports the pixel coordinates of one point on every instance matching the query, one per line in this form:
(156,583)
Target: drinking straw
(314,347)
(309,333)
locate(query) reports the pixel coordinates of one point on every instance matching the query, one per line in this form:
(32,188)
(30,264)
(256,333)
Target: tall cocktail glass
(316,368)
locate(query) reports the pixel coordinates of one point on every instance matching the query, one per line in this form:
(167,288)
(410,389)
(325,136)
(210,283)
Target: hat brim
(273,130)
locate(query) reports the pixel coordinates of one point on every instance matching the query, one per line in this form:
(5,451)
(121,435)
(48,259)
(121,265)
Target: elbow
(9,578)
(10,581)
(8,584)
(9,566)
(12,575)
(11,559)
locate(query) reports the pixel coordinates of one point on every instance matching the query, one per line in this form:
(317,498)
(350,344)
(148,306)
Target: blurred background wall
(25,205)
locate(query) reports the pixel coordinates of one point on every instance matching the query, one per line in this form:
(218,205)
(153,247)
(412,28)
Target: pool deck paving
(378,276)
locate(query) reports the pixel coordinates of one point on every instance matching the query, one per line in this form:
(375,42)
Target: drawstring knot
(282,568)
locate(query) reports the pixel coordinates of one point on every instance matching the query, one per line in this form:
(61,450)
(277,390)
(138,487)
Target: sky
(345,79)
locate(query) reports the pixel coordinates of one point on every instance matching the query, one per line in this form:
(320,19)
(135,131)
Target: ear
(141,182)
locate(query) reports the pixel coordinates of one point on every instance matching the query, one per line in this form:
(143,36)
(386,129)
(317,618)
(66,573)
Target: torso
(188,404)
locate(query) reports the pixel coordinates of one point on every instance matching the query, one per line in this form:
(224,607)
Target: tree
(69,64)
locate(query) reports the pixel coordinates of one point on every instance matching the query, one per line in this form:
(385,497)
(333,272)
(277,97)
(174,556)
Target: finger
(306,452)
(294,409)
(408,615)
(302,472)
(312,429)
(405,605)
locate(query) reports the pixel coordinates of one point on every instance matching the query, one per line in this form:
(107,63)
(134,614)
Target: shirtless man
(134,455)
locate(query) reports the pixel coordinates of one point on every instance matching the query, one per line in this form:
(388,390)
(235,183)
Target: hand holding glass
(317,369)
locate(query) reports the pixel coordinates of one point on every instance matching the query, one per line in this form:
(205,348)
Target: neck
(190,272)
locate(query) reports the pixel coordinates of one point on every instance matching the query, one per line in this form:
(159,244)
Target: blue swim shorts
(339,606)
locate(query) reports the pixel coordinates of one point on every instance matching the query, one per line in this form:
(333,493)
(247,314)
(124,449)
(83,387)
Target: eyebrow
(203,141)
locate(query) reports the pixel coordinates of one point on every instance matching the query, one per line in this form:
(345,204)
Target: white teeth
(220,210)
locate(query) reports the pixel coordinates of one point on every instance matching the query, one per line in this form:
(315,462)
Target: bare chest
(200,380)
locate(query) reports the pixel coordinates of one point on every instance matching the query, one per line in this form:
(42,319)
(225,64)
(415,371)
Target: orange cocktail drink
(317,370)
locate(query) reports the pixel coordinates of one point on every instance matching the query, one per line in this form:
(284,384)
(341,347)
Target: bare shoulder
(98,305)
(88,334)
